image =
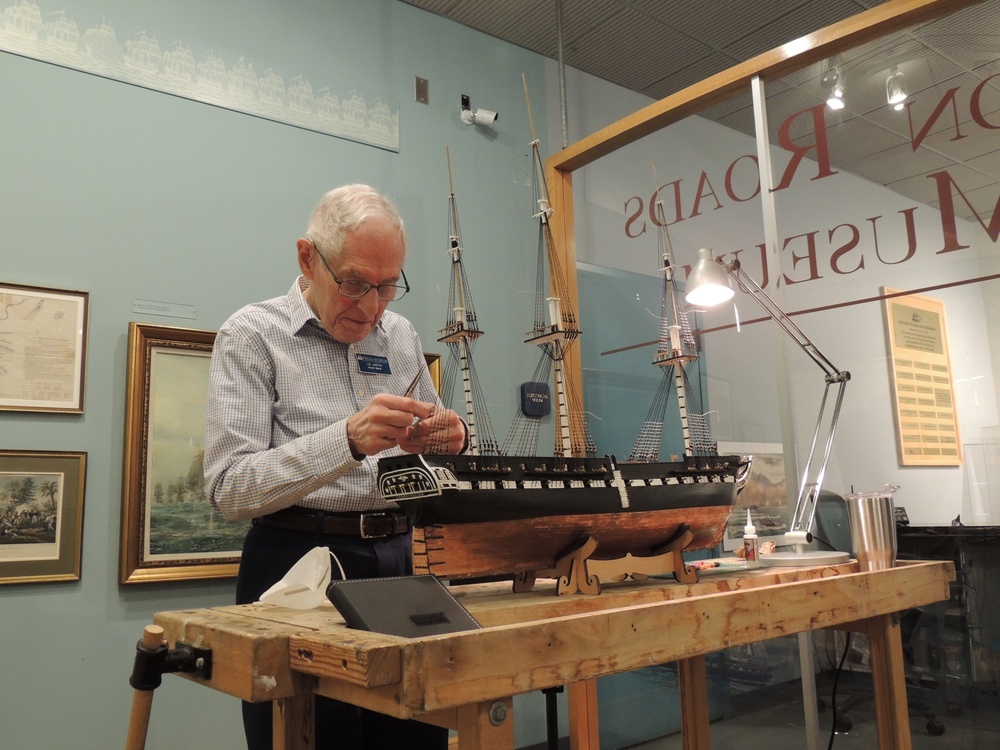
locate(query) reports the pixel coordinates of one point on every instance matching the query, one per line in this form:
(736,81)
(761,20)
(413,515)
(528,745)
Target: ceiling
(658,47)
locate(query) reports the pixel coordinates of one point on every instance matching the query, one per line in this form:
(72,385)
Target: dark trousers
(268,553)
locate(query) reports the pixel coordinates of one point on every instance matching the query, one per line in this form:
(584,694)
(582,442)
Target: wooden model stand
(579,572)
(534,641)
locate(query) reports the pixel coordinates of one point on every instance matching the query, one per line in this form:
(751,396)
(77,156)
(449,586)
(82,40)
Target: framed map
(43,349)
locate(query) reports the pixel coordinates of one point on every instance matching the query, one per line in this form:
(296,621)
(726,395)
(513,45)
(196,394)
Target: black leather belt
(368,525)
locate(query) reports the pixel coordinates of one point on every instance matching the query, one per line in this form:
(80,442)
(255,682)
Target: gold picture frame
(41,515)
(434,368)
(169,531)
(43,349)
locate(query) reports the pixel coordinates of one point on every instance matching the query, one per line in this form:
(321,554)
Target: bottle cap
(749,528)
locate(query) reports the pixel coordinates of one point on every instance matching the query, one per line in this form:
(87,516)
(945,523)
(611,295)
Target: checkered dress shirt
(280,392)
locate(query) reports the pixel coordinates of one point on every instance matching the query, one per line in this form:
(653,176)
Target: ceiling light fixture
(895,89)
(832,81)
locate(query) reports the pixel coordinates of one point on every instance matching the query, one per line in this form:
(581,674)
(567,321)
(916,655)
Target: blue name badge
(373,364)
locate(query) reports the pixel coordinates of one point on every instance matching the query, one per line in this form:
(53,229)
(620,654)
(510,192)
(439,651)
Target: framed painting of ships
(169,530)
(41,515)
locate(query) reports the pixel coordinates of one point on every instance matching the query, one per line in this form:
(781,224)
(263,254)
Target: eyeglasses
(355,289)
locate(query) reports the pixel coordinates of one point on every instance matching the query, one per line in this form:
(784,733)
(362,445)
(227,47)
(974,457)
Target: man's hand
(442,432)
(415,426)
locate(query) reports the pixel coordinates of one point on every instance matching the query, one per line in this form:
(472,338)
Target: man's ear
(304,248)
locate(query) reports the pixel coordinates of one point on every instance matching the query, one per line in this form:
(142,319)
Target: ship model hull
(476,516)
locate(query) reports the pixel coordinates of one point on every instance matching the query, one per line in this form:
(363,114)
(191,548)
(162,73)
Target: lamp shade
(708,284)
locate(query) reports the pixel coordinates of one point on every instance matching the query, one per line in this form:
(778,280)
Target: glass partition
(882,209)
(661,196)
(885,180)
(883,250)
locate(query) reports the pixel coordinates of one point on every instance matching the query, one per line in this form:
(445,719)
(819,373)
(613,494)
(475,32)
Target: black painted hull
(505,488)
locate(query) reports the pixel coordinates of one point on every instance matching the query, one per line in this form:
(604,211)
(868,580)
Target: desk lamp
(709,284)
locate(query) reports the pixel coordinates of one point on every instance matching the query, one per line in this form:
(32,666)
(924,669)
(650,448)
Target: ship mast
(558,334)
(676,348)
(677,345)
(462,327)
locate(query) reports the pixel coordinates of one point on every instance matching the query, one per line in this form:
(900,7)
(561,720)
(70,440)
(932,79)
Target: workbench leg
(295,723)
(692,679)
(142,705)
(488,725)
(584,731)
(810,702)
(888,674)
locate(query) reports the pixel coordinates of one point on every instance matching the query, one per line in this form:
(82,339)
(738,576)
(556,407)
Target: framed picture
(434,368)
(765,495)
(41,515)
(43,349)
(170,531)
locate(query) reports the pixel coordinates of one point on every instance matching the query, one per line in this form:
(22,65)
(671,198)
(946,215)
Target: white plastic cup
(873,529)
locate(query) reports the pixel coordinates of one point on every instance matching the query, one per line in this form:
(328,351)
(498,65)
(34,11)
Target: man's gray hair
(344,209)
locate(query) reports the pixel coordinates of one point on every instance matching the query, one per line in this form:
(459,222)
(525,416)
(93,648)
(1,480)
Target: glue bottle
(751,544)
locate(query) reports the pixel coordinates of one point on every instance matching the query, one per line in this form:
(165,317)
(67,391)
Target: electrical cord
(833,695)
(820,539)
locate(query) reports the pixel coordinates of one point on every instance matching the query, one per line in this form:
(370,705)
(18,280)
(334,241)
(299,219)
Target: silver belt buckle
(361,525)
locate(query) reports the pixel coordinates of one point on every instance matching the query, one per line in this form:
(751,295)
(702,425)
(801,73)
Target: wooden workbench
(536,640)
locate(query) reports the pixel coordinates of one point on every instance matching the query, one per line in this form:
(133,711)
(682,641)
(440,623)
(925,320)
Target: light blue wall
(132,194)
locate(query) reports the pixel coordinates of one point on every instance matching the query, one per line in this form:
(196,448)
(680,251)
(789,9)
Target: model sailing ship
(573,515)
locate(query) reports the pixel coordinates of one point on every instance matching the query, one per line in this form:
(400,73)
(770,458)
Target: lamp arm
(812,476)
(762,298)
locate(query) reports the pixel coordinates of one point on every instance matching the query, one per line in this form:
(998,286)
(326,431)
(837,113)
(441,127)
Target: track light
(832,81)
(895,89)
(480,117)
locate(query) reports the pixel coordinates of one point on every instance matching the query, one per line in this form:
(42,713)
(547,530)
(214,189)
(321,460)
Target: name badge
(373,364)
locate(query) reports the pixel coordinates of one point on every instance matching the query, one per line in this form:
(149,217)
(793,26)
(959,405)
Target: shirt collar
(300,312)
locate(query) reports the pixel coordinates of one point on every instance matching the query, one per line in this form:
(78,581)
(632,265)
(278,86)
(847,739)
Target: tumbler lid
(886,491)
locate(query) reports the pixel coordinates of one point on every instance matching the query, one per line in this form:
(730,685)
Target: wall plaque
(923,392)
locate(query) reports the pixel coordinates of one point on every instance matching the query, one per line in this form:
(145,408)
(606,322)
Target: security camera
(484,117)
(479,117)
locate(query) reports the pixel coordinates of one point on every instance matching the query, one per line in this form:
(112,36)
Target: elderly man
(305,392)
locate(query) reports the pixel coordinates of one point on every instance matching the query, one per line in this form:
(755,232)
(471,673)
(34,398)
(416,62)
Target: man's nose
(369,300)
